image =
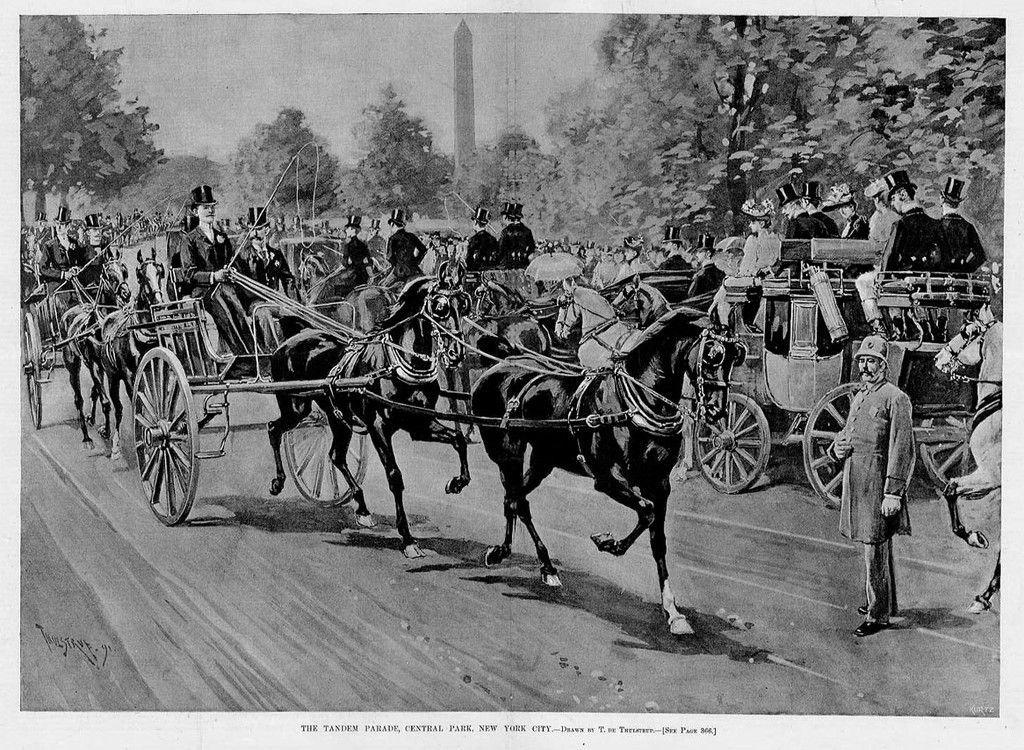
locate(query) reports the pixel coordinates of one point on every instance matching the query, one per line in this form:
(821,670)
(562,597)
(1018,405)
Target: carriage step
(211,454)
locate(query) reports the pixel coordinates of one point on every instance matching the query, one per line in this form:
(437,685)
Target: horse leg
(677,622)
(536,474)
(381,436)
(114,386)
(511,472)
(618,489)
(339,457)
(100,384)
(293,410)
(435,432)
(983,601)
(972,537)
(73,363)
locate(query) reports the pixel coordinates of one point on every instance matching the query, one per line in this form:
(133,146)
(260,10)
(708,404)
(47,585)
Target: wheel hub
(159,434)
(725,440)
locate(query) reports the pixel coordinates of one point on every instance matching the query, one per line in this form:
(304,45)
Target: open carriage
(799,379)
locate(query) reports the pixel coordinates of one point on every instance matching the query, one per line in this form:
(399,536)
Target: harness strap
(990,405)
(575,405)
(516,401)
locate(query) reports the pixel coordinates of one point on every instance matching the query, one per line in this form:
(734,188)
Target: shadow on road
(937,618)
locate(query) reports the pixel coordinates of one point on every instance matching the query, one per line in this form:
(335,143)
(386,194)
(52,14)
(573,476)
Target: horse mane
(409,303)
(679,322)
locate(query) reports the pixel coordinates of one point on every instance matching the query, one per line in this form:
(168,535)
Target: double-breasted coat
(881,430)
(482,251)
(965,253)
(405,253)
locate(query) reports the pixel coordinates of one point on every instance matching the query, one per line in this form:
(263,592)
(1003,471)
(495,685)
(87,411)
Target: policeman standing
(516,244)
(482,249)
(962,241)
(876,448)
(405,251)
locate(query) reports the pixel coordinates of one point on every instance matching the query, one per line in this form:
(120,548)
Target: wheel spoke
(148,392)
(180,460)
(318,477)
(312,444)
(711,454)
(176,422)
(833,483)
(750,443)
(716,467)
(151,461)
(745,430)
(954,455)
(143,421)
(158,481)
(740,453)
(148,406)
(172,396)
(728,467)
(836,415)
(169,483)
(744,417)
(823,435)
(822,460)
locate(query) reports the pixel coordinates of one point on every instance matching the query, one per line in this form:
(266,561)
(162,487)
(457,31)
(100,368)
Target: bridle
(971,333)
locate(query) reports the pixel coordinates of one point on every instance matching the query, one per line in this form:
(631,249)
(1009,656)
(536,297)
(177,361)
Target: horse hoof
(977,539)
(604,541)
(492,556)
(104,433)
(366,520)
(679,626)
(551,579)
(276,485)
(412,551)
(88,444)
(978,606)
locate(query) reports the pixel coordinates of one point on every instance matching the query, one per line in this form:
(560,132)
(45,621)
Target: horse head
(966,349)
(150,275)
(114,289)
(710,364)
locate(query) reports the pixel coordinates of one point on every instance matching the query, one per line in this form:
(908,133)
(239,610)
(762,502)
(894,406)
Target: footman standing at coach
(482,249)
(877,450)
(963,245)
(516,244)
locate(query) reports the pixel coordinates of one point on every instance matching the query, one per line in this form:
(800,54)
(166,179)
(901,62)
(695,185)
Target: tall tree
(399,167)
(310,183)
(76,132)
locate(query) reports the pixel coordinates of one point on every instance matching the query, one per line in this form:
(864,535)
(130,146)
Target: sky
(209,79)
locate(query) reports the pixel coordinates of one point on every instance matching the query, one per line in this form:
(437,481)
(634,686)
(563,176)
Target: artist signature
(95,655)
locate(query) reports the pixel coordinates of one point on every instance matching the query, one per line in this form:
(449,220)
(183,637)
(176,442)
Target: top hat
(953,192)
(258,217)
(481,216)
(354,222)
(63,215)
(812,191)
(763,210)
(673,234)
(92,221)
(787,194)
(40,215)
(203,196)
(397,218)
(512,210)
(706,241)
(874,346)
(898,179)
(838,197)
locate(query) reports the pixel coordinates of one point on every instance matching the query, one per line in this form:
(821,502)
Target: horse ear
(152,253)
(569,284)
(138,255)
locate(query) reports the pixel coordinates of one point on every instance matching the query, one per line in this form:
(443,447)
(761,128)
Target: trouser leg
(228,314)
(880,581)
(865,284)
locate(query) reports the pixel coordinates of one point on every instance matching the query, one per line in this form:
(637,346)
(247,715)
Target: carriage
(181,397)
(799,379)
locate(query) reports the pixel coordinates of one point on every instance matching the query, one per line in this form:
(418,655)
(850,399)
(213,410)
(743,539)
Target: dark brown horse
(401,360)
(621,426)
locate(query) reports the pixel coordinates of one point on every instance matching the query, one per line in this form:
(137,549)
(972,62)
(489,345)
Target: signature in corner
(95,655)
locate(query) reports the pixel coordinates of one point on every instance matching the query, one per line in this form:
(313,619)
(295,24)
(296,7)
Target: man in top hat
(963,243)
(800,225)
(204,272)
(812,201)
(377,245)
(678,257)
(876,448)
(516,244)
(709,277)
(357,254)
(266,265)
(840,199)
(917,242)
(482,250)
(405,251)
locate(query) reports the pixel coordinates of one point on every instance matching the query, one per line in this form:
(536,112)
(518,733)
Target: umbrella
(554,267)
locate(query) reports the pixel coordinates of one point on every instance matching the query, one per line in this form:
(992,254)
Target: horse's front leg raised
(435,432)
(618,488)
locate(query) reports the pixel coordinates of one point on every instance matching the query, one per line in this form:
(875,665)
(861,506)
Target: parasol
(554,267)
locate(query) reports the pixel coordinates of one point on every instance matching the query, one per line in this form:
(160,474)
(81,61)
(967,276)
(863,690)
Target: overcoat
(405,253)
(881,430)
(916,244)
(482,251)
(516,246)
(806,227)
(962,243)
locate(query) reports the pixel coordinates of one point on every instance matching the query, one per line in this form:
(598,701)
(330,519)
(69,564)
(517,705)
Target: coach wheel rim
(732,453)
(824,422)
(166,436)
(33,367)
(307,455)
(945,448)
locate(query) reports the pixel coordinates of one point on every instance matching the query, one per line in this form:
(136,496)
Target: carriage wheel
(166,436)
(733,453)
(33,359)
(824,422)
(945,448)
(307,454)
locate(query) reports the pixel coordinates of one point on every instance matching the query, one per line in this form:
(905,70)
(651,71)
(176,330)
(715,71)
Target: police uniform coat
(405,253)
(482,251)
(515,246)
(916,244)
(881,430)
(965,253)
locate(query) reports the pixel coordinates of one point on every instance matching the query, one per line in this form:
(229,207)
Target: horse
(121,345)
(401,358)
(979,344)
(80,323)
(623,427)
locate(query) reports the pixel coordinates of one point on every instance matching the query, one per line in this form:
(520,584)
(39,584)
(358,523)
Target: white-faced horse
(979,344)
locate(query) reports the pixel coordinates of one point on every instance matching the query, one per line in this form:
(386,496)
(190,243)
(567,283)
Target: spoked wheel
(944,446)
(33,366)
(824,422)
(733,452)
(166,436)
(307,455)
